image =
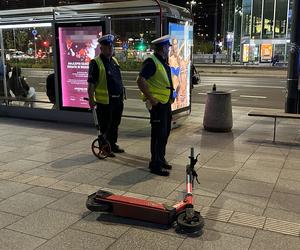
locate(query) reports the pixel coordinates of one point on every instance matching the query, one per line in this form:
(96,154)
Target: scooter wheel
(100,150)
(97,206)
(195,224)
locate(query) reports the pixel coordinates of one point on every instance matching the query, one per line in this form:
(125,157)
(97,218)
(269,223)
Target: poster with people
(77,46)
(180,62)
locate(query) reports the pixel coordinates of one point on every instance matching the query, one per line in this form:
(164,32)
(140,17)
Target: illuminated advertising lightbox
(78,44)
(266,51)
(246,48)
(180,63)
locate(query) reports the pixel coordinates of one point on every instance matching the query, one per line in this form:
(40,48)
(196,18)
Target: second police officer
(155,83)
(105,89)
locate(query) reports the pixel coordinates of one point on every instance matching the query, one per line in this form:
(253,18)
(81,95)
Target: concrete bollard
(218,112)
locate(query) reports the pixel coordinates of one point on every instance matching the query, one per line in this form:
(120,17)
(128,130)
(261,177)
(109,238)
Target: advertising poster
(246,48)
(180,62)
(266,51)
(77,46)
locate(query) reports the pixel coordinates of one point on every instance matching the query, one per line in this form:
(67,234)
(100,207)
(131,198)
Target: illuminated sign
(266,51)
(77,46)
(180,62)
(246,48)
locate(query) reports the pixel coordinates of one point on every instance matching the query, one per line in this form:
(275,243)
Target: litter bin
(218,112)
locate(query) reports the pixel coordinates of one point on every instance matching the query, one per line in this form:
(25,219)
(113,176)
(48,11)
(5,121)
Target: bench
(275,115)
(21,99)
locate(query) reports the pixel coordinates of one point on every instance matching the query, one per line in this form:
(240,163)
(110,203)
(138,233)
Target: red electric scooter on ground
(188,220)
(100,146)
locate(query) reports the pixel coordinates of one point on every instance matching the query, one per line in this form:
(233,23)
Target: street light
(191,3)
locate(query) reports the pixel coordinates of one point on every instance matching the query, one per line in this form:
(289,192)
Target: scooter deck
(136,208)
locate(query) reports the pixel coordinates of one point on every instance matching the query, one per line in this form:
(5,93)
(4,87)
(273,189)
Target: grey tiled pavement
(249,192)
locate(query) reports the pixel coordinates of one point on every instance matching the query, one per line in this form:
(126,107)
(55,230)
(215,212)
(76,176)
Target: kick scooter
(188,220)
(100,146)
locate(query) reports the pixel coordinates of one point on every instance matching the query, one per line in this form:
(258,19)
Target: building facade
(261,29)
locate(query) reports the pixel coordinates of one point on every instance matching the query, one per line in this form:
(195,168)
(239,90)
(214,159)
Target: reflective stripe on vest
(101,90)
(159,84)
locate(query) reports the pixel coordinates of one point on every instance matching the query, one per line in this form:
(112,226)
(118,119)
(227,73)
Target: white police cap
(107,39)
(162,40)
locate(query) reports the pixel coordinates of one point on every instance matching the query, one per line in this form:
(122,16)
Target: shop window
(268,19)
(281,18)
(256,19)
(246,18)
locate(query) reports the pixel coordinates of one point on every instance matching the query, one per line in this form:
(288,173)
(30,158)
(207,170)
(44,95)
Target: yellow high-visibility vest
(159,84)
(101,90)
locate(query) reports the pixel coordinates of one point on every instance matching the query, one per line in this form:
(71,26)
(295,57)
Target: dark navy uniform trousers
(109,118)
(160,119)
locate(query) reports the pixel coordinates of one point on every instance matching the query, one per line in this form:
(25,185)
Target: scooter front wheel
(93,205)
(100,150)
(194,224)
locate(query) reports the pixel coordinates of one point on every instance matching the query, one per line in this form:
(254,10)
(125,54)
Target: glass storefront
(265,28)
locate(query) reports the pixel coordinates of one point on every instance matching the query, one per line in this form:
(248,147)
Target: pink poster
(77,46)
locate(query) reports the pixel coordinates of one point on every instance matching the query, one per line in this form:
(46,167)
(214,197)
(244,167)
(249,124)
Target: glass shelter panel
(132,47)
(281,18)
(268,19)
(29,60)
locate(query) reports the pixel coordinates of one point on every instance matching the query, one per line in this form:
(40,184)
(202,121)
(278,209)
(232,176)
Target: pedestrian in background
(155,82)
(106,91)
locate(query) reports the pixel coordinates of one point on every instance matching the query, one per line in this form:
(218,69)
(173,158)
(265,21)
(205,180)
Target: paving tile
(292,164)
(248,220)
(274,241)
(227,165)
(207,188)
(64,185)
(290,174)
(216,240)
(284,227)
(154,188)
(205,174)
(142,239)
(102,224)
(127,174)
(255,188)
(24,178)
(267,157)
(7,219)
(71,203)
(9,188)
(285,201)
(288,186)
(47,192)
(46,157)
(24,203)
(77,240)
(109,183)
(216,214)
(43,181)
(20,165)
(105,166)
(10,240)
(85,189)
(258,175)
(240,202)
(82,158)
(42,171)
(261,164)
(282,215)
(6,175)
(63,165)
(228,228)
(85,176)
(45,223)
(232,156)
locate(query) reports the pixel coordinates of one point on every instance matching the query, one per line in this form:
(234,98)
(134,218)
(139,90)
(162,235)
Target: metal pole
(2,58)
(293,66)
(216,31)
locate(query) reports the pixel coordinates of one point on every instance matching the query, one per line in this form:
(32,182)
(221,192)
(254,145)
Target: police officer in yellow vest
(155,82)
(105,89)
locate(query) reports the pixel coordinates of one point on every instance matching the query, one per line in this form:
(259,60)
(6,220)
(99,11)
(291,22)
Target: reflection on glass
(268,19)
(28,52)
(281,18)
(246,18)
(256,18)
(290,17)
